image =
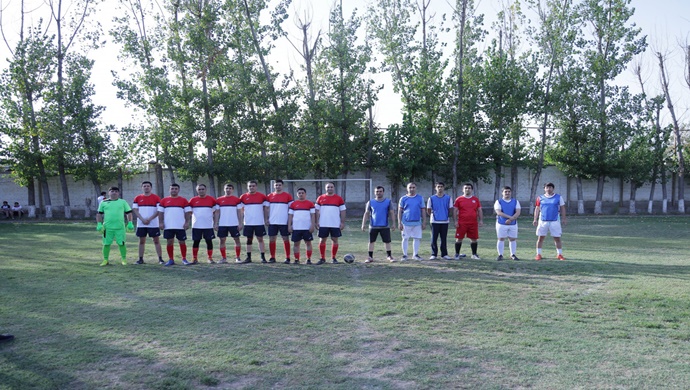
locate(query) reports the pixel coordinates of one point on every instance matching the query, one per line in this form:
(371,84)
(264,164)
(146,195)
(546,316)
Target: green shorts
(114,234)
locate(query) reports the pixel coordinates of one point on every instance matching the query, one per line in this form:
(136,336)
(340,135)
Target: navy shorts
(206,234)
(224,231)
(298,235)
(151,232)
(273,230)
(180,234)
(254,230)
(329,231)
(384,232)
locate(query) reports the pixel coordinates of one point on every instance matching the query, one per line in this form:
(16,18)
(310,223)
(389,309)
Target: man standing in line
(278,206)
(111,221)
(470,218)
(440,208)
(301,221)
(330,221)
(411,220)
(255,212)
(507,212)
(145,207)
(546,219)
(204,218)
(175,211)
(381,211)
(229,222)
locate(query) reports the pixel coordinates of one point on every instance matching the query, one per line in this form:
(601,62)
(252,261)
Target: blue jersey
(379,213)
(549,207)
(507,207)
(412,207)
(439,206)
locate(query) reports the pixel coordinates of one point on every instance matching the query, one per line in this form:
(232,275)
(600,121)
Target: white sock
(415,245)
(405,240)
(539,251)
(559,250)
(513,248)
(499,247)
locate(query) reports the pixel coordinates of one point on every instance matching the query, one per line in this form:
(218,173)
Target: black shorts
(224,231)
(180,234)
(273,230)
(206,234)
(384,232)
(254,230)
(326,231)
(151,232)
(298,235)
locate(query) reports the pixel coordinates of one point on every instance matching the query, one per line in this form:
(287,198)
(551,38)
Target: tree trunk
(633,197)
(580,196)
(159,180)
(600,195)
(65,190)
(664,191)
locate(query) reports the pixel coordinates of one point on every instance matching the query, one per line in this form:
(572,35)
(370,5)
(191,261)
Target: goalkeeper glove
(99,226)
(130,226)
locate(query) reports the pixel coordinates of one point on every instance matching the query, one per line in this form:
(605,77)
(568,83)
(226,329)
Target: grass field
(614,316)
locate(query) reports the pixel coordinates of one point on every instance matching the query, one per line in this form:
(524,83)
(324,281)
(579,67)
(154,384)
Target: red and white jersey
(329,207)
(174,210)
(228,206)
(253,205)
(202,211)
(467,209)
(147,207)
(278,207)
(301,211)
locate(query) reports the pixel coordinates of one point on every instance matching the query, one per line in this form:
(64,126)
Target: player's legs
(272,245)
(443,234)
(322,247)
(238,247)
(170,247)
(157,245)
(286,246)
(373,235)
(513,246)
(222,248)
(142,247)
(334,247)
(435,232)
(540,244)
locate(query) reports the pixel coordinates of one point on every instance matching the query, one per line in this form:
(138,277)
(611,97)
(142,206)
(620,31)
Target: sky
(665,22)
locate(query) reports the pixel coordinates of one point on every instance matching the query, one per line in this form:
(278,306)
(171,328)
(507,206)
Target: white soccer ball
(349,258)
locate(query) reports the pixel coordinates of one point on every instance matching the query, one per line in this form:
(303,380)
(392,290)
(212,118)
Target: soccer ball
(349,258)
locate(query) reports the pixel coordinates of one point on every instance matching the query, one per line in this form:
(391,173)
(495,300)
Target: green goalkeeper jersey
(114,213)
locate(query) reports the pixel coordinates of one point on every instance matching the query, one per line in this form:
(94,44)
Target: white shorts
(553,227)
(503,231)
(414,231)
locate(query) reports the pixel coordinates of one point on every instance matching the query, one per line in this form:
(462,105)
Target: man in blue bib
(380,212)
(507,212)
(549,214)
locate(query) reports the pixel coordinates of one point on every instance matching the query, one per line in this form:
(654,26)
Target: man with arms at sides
(440,207)
(548,208)
(470,218)
(380,212)
(278,206)
(507,212)
(175,211)
(330,221)
(301,222)
(204,209)
(229,222)
(255,212)
(145,207)
(411,220)
(111,221)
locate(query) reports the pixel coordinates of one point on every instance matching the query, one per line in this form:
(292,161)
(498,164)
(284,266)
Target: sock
(405,240)
(272,248)
(539,251)
(388,253)
(106,252)
(371,254)
(209,252)
(141,258)
(296,256)
(223,252)
(458,246)
(309,253)
(123,251)
(183,250)
(334,250)
(238,248)
(195,252)
(415,245)
(473,245)
(500,245)
(249,255)
(513,248)
(263,256)
(322,250)
(560,251)
(286,245)
(171,251)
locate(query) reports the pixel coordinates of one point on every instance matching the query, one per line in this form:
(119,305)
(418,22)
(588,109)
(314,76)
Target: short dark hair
(278,181)
(103,192)
(229,185)
(380,188)
(507,188)
(113,188)
(301,189)
(549,184)
(175,185)
(201,185)
(468,184)
(440,183)
(252,182)
(147,182)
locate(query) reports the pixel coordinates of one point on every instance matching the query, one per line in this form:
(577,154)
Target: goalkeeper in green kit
(111,221)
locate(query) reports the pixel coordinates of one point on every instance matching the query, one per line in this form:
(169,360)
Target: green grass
(615,315)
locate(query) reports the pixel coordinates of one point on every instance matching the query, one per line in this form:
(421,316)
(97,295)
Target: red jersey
(202,211)
(467,209)
(278,208)
(329,207)
(253,205)
(147,206)
(174,210)
(228,210)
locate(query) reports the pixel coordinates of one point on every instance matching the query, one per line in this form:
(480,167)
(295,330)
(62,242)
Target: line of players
(296,221)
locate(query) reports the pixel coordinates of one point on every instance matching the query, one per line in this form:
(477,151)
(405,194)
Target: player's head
(201,190)
(114,192)
(467,189)
(229,189)
(16,204)
(5,202)
(278,185)
(440,187)
(379,191)
(412,188)
(301,193)
(146,186)
(330,188)
(549,188)
(251,186)
(103,193)
(174,189)
(507,192)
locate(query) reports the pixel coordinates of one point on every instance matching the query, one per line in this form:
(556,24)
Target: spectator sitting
(17,210)
(6,209)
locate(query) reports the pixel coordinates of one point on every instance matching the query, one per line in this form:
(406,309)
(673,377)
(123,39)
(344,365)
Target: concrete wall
(356,194)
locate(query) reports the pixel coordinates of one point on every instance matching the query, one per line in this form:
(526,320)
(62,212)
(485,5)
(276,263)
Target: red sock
(286,245)
(296,255)
(209,252)
(171,251)
(195,253)
(223,253)
(272,248)
(322,249)
(334,250)
(309,254)
(238,248)
(183,250)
